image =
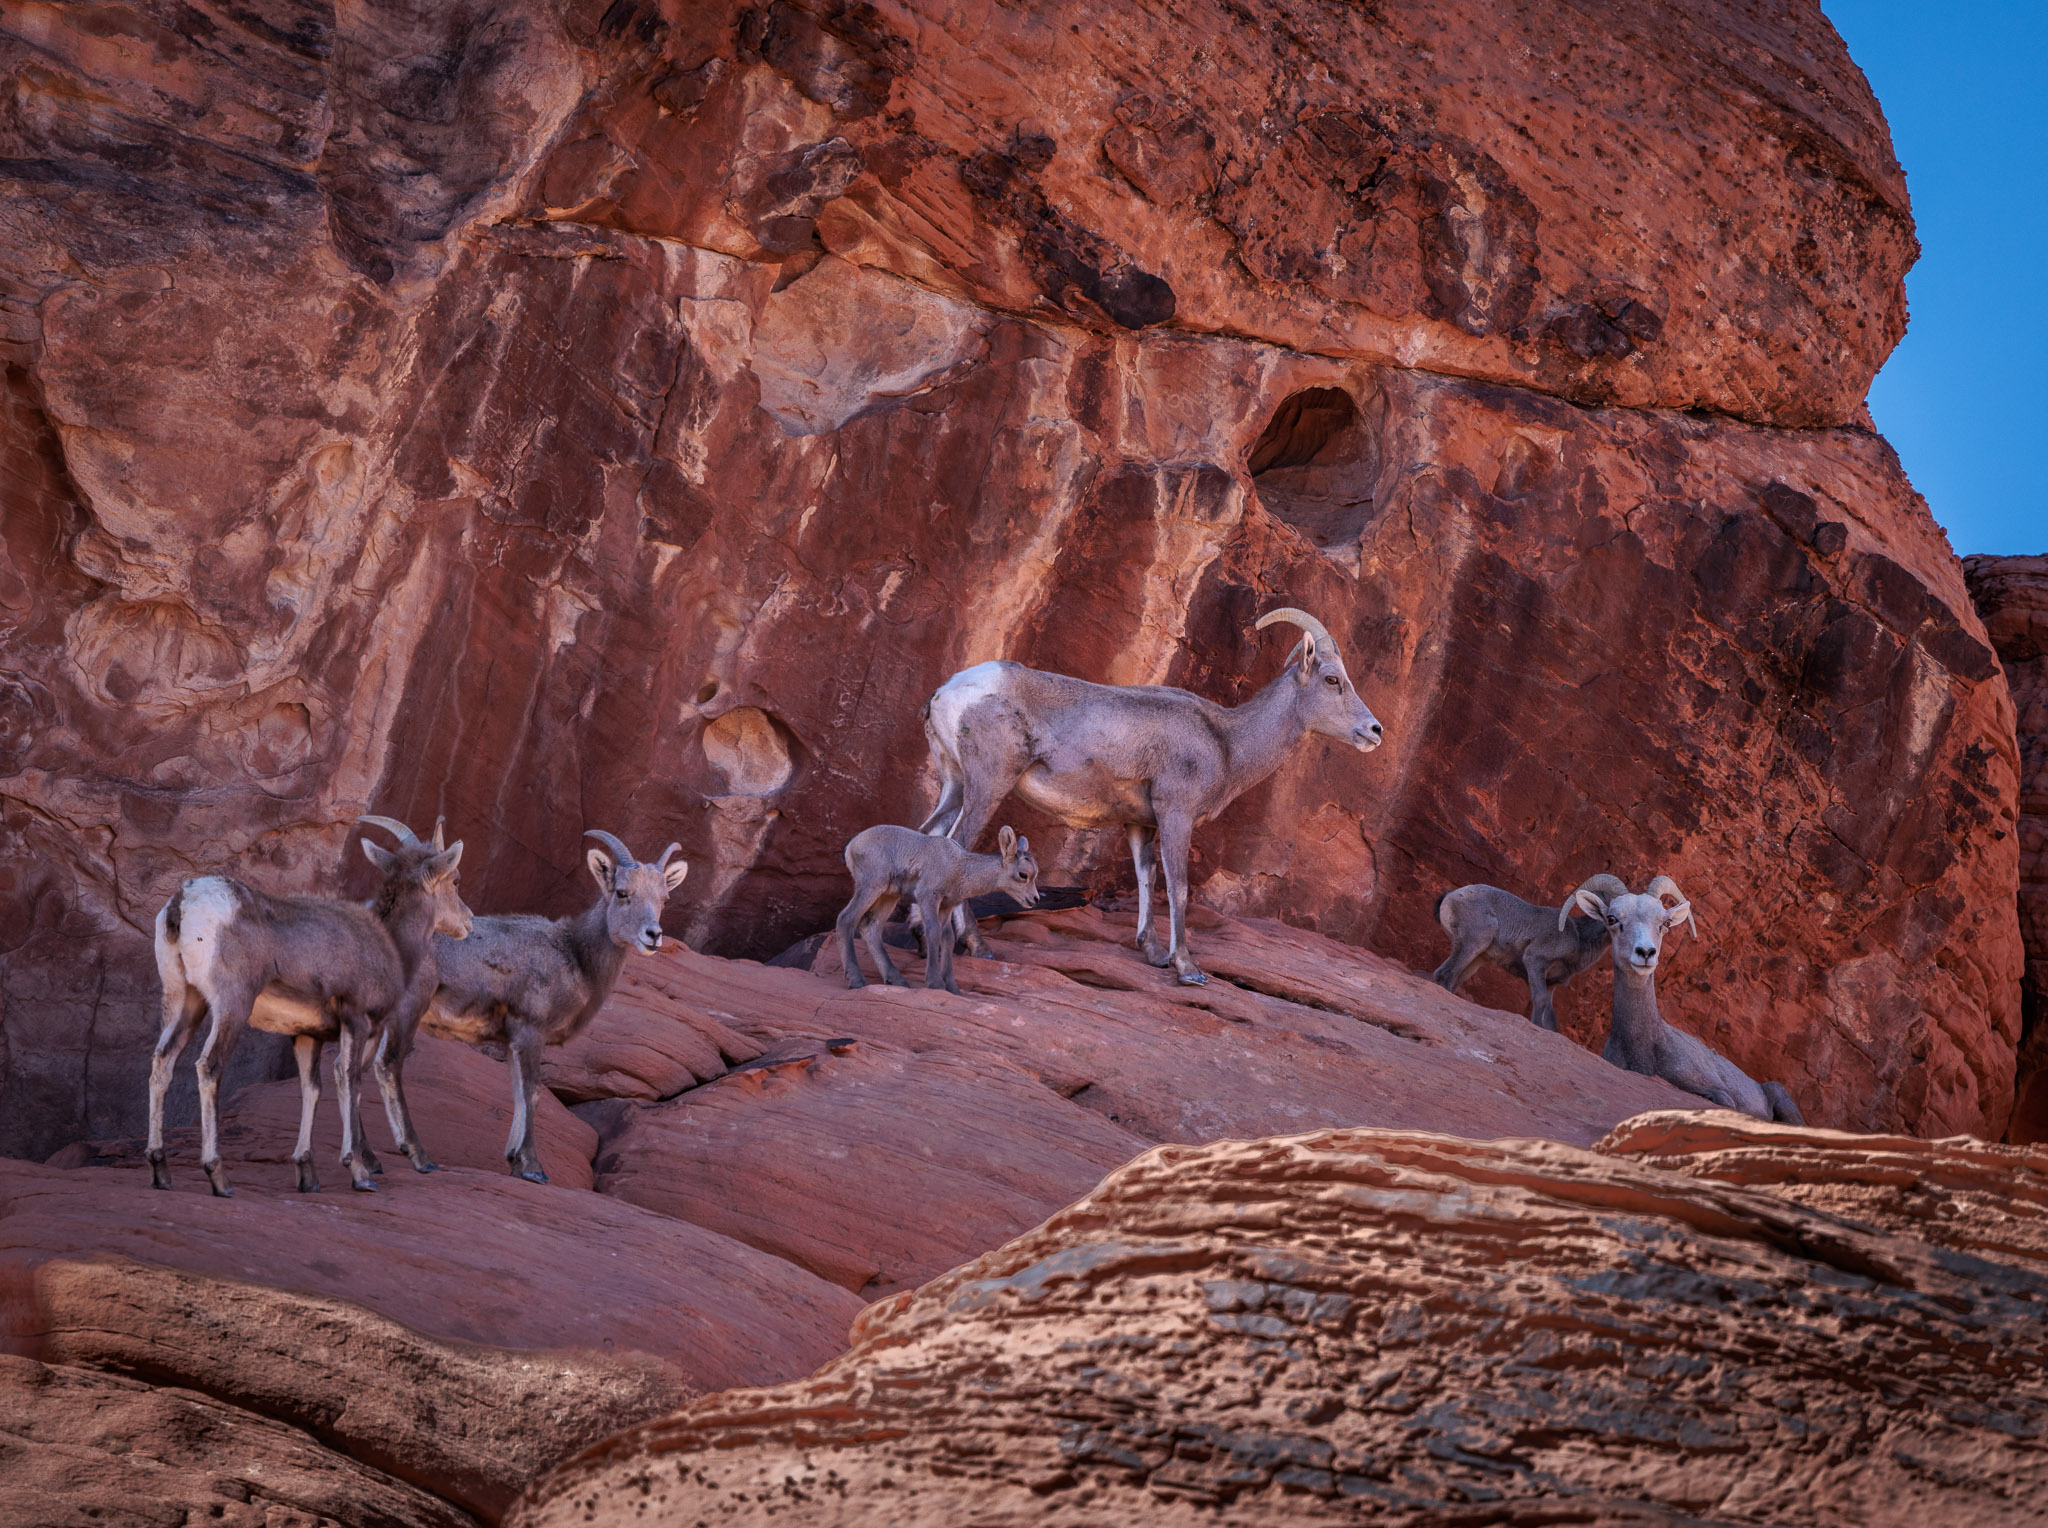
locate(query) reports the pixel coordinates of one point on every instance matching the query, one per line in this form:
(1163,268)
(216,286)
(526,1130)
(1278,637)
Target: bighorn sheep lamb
(1150,758)
(522,982)
(889,863)
(1485,922)
(314,968)
(1640,1040)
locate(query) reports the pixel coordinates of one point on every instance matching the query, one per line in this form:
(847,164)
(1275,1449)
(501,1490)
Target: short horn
(1663,886)
(621,855)
(440,833)
(1604,886)
(1304,620)
(662,863)
(391,825)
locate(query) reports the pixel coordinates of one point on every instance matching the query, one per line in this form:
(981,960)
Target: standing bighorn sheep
(889,863)
(1640,1040)
(1485,922)
(522,982)
(314,968)
(1152,759)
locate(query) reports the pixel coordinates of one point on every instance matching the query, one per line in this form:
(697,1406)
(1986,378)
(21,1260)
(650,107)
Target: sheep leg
(183,1009)
(389,1065)
(878,915)
(1145,860)
(947,812)
(938,964)
(1542,1013)
(1176,831)
(523,1051)
(980,804)
(1457,965)
(862,919)
(213,1059)
(306,1051)
(1782,1105)
(349,1055)
(363,1151)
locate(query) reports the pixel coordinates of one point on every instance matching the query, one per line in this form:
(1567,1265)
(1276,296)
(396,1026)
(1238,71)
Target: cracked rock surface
(1398,1327)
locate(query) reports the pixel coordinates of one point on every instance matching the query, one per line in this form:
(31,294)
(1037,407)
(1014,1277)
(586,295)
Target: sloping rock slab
(1294,1031)
(870,1166)
(1390,1327)
(650,1040)
(80,1449)
(468,1423)
(458,1255)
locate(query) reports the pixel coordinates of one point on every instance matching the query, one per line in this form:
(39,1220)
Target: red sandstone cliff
(624,414)
(2012,596)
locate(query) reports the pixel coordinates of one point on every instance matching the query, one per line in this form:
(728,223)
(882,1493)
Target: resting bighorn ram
(1640,1040)
(522,982)
(1485,922)
(1152,759)
(314,968)
(889,863)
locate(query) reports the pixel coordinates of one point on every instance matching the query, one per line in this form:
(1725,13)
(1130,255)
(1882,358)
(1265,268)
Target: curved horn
(1663,886)
(1304,620)
(405,836)
(621,855)
(662,863)
(1604,886)
(440,833)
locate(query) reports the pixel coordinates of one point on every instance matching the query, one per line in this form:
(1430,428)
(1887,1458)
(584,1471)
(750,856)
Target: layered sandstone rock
(1386,1327)
(2012,597)
(624,415)
(469,1424)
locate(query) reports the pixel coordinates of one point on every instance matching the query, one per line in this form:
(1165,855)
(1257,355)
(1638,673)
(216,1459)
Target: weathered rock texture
(624,414)
(1366,1326)
(472,1425)
(2012,596)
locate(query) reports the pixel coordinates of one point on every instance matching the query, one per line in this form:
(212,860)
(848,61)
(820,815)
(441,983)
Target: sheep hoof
(363,1185)
(159,1175)
(423,1165)
(1192,979)
(534,1175)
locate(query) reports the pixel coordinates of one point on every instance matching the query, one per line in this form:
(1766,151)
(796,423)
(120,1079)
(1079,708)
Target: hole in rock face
(1316,464)
(1301,428)
(707,692)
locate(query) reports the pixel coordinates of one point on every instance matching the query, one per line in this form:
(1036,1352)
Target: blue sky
(1964,398)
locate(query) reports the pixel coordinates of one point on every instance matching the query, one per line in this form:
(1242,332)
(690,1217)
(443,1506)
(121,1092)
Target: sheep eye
(622,896)
(1334,682)
(1613,922)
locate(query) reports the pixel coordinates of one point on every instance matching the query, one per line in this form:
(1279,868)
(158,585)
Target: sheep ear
(379,857)
(1682,913)
(1023,846)
(1006,842)
(1307,670)
(444,863)
(674,873)
(601,867)
(1589,902)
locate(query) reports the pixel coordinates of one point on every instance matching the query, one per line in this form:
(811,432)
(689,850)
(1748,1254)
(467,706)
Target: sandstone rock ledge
(1398,1327)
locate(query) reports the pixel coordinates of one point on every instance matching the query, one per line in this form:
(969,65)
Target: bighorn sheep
(1486,922)
(314,968)
(1150,758)
(888,863)
(522,982)
(1640,1040)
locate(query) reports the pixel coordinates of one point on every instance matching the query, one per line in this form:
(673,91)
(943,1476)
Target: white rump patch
(966,689)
